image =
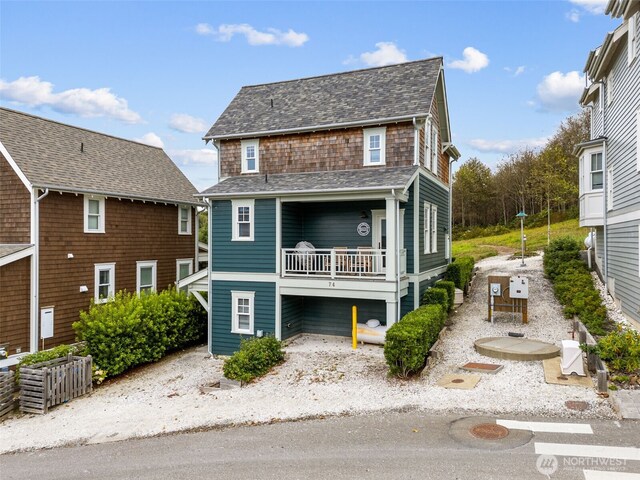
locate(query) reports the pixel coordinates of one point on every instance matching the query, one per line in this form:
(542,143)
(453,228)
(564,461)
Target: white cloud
(187,124)
(474,61)
(506,146)
(592,6)
(517,71)
(573,15)
(272,36)
(202,156)
(387,53)
(561,91)
(80,101)
(151,139)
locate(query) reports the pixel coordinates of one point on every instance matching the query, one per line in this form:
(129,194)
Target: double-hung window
(184,220)
(184,268)
(243,226)
(105,281)
(93,214)
(632,38)
(434,228)
(434,151)
(250,156)
(430,228)
(243,312)
(146,276)
(374,146)
(427,144)
(596,171)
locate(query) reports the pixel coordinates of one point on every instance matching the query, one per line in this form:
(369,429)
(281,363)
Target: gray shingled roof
(9,249)
(402,90)
(328,181)
(49,154)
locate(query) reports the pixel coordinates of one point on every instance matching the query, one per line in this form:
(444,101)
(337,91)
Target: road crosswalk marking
(604,475)
(596,451)
(547,426)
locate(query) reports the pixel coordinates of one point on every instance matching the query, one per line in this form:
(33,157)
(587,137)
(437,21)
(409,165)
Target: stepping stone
(459,381)
(553,375)
(482,367)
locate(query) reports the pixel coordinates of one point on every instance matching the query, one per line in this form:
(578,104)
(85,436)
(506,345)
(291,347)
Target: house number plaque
(363,229)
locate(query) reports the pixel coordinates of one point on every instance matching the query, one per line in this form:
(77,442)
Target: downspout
(451,160)
(35,272)
(604,186)
(209,274)
(397,253)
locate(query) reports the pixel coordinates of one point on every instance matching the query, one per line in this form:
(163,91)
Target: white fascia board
(26,252)
(292,193)
(23,178)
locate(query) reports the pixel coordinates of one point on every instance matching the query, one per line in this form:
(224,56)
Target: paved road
(409,445)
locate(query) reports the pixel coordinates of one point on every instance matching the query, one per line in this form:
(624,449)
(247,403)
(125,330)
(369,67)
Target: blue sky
(162,72)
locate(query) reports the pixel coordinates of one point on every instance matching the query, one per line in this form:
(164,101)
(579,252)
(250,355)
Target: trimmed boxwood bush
(459,272)
(408,342)
(255,358)
(131,330)
(450,287)
(436,296)
(559,254)
(621,350)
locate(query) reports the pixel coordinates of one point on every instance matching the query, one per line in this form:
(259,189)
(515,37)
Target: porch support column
(392,313)
(392,222)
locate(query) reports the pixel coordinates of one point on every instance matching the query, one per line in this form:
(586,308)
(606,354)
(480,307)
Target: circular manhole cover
(457,380)
(489,431)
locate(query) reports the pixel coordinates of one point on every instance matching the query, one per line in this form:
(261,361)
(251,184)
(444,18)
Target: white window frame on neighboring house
(426,212)
(610,89)
(95,200)
(434,228)
(245,309)
(632,41)
(591,156)
(111,285)
(180,262)
(184,224)
(252,146)
(153,265)
(242,218)
(370,147)
(427,144)
(435,152)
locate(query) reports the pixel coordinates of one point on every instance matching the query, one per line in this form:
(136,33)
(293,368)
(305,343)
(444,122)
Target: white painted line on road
(547,426)
(596,451)
(600,475)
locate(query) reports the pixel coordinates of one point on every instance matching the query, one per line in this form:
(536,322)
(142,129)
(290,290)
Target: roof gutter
(299,192)
(359,123)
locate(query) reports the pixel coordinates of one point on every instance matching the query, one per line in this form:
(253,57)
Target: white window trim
(154,274)
(248,143)
(101,214)
(188,230)
(591,172)
(609,188)
(632,52)
(179,263)
(234,218)
(427,145)
(435,152)
(426,214)
(235,322)
(610,89)
(638,140)
(368,132)
(98,267)
(434,228)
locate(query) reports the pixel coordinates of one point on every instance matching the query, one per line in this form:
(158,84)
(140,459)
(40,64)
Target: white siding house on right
(610,160)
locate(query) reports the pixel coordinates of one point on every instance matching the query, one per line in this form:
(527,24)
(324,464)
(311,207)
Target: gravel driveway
(321,376)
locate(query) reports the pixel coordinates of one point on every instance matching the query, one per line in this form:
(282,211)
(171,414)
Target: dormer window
(93,214)
(250,156)
(374,146)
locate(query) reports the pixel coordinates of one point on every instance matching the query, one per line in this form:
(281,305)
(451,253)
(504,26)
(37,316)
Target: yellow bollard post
(354,326)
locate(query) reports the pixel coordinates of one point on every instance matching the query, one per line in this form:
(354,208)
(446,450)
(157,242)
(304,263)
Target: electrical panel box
(495,290)
(519,287)
(46,323)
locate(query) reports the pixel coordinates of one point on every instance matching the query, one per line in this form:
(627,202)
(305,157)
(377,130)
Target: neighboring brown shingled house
(82,216)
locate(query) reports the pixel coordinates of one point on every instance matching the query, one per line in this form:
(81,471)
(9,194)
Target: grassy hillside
(484,247)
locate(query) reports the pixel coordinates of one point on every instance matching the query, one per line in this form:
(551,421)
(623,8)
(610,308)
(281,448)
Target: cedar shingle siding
(134,231)
(14,206)
(14,305)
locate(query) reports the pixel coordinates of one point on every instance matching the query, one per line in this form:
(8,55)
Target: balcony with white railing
(591,209)
(365,263)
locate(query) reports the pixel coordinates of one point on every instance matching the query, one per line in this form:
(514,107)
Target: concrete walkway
(627,402)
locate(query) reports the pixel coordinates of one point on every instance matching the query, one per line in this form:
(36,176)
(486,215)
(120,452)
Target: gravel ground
(321,376)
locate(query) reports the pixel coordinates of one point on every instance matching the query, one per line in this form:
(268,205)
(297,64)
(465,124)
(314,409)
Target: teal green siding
(407,302)
(425,285)
(408,228)
(435,194)
(292,224)
(292,315)
(241,256)
(223,341)
(332,316)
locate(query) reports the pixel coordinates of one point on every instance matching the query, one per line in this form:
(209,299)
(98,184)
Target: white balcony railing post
(333,263)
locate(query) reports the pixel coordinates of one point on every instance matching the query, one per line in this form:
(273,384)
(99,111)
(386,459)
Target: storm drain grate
(489,431)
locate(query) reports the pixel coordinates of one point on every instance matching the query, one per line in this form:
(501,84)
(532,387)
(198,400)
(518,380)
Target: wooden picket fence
(46,384)
(6,393)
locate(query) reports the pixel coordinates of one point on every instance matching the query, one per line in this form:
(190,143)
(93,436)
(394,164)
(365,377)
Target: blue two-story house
(334,191)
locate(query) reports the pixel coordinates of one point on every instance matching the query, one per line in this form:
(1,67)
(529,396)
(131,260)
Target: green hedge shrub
(450,287)
(255,358)
(621,350)
(436,296)
(459,272)
(131,330)
(408,342)
(558,254)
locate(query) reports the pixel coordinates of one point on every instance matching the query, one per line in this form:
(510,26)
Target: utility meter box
(519,287)
(495,290)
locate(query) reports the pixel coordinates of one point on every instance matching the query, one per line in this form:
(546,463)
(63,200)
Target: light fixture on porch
(363,214)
